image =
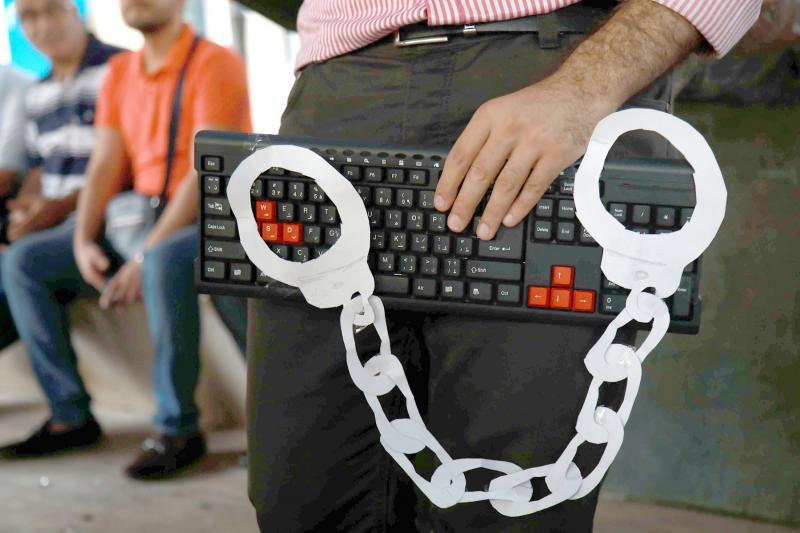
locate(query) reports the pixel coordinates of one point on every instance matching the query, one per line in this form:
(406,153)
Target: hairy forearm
(640,42)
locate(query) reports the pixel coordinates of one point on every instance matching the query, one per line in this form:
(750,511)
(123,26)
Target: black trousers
(488,388)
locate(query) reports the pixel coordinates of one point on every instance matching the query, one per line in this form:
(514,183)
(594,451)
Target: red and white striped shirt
(329,28)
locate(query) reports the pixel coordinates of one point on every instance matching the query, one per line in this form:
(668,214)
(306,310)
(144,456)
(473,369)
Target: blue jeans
(40,277)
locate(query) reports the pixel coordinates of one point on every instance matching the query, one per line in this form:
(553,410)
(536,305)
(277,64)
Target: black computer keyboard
(547,268)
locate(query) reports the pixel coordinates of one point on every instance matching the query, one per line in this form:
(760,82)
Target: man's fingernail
(438,201)
(454,222)
(508,220)
(483,231)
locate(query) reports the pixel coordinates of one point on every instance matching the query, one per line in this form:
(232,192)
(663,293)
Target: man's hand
(125,287)
(32,213)
(92,263)
(8,182)
(519,142)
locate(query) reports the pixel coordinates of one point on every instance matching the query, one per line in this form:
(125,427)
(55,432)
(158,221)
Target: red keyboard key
(560,299)
(538,296)
(583,301)
(293,233)
(271,232)
(265,211)
(563,276)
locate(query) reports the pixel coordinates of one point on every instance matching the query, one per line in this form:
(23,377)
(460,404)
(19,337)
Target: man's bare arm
(521,141)
(31,183)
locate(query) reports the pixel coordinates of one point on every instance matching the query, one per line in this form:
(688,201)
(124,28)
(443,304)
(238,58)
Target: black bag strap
(173,127)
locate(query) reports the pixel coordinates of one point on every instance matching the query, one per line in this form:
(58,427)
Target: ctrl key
(214,270)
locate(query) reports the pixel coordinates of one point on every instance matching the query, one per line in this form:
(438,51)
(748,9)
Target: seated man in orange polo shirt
(133,117)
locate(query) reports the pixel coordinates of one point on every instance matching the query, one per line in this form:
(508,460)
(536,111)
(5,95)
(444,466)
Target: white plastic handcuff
(633,261)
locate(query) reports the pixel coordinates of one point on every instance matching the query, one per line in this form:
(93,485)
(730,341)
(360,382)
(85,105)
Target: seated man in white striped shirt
(59,130)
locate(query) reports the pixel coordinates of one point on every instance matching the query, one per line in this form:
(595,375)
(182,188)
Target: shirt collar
(177,54)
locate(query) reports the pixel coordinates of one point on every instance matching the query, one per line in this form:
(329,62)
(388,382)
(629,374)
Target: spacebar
(392,284)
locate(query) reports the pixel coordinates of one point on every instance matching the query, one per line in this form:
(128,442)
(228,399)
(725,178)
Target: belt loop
(548,31)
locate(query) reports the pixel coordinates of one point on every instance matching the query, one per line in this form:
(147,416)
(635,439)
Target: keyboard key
(316,194)
(391,284)
(619,211)
(308,213)
(297,190)
(214,270)
(272,232)
(301,254)
(212,163)
(452,289)
(508,294)
(375,217)
(560,299)
(419,243)
(242,272)
(586,238)
(373,174)
(608,284)
(285,212)
(383,196)
(224,250)
(377,240)
(566,209)
(265,211)
(418,177)
(441,244)
(220,228)
(293,233)
(539,297)
(430,266)
(507,244)
(542,230)
(583,301)
(612,304)
(544,208)
(351,172)
(426,199)
(276,171)
(566,186)
(395,175)
(452,267)
(365,193)
(464,246)
(211,184)
(327,214)
(415,221)
(408,264)
(217,206)
(386,262)
(665,217)
(394,219)
(405,197)
(257,189)
(682,299)
(425,288)
(565,232)
(686,215)
(332,235)
(398,241)
(481,292)
(319,250)
(641,214)
(563,276)
(313,234)
(640,230)
(281,250)
(436,222)
(494,270)
(275,189)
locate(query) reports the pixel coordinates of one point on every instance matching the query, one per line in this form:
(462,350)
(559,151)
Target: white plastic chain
(631,260)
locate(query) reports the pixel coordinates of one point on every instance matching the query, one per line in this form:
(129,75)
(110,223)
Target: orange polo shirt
(139,106)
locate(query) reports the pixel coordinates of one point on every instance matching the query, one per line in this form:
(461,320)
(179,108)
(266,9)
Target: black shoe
(46,442)
(164,456)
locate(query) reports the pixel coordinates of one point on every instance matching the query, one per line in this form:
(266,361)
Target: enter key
(507,244)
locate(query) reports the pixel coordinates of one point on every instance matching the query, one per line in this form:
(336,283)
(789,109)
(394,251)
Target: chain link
(510,493)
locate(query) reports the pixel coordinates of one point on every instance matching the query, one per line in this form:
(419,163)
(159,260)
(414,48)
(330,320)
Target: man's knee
(20,262)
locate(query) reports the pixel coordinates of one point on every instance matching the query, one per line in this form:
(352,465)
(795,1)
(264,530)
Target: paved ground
(86,492)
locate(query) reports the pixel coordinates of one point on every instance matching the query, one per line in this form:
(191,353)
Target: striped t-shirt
(60,122)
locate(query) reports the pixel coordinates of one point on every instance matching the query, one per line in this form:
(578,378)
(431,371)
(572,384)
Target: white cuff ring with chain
(633,261)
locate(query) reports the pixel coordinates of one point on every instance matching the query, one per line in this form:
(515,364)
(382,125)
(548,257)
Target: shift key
(224,250)
(494,270)
(507,244)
